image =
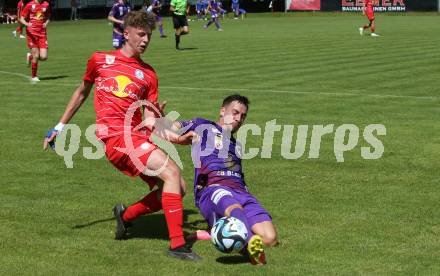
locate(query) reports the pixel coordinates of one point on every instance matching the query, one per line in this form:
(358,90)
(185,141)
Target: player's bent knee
(171,173)
(270,238)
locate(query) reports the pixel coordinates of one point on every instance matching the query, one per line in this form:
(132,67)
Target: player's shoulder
(202,121)
(103,57)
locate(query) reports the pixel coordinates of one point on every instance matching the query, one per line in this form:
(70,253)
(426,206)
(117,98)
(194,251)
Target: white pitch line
(16,74)
(304,92)
(71,84)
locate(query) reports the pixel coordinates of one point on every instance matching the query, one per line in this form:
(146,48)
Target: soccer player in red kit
(122,82)
(368,10)
(35,16)
(19,29)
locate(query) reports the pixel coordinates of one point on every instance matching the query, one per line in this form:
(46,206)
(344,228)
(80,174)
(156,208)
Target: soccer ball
(229,234)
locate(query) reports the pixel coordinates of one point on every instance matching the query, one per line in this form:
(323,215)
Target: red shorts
(370,15)
(132,161)
(36,41)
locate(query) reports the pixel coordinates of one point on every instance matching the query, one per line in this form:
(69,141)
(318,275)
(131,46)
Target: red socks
(173,210)
(34,69)
(149,204)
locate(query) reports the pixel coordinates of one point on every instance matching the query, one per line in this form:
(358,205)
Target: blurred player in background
(35,16)
(368,10)
(122,82)
(213,8)
(219,185)
(235,6)
(19,30)
(119,10)
(201,13)
(155,9)
(179,9)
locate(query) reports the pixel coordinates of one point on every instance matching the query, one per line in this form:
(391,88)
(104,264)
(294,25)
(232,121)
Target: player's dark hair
(236,97)
(140,19)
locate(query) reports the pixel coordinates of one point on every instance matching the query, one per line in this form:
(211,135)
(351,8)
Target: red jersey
(369,5)
(119,82)
(36,13)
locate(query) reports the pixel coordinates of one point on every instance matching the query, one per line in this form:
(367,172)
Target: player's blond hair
(140,19)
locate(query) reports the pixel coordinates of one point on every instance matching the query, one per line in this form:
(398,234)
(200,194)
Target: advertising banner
(380,6)
(303,5)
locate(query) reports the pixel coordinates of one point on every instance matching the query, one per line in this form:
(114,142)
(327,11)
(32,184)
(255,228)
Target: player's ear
(126,33)
(222,112)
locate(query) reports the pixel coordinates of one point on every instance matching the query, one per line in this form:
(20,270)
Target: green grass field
(357,217)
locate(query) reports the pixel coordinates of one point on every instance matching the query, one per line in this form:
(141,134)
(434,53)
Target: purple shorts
(215,199)
(118,40)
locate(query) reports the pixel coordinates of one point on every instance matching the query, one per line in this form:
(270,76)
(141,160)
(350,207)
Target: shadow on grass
(151,226)
(53,77)
(233,259)
(88,224)
(188,48)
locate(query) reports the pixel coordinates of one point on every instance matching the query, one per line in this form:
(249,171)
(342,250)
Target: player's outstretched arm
(77,99)
(165,128)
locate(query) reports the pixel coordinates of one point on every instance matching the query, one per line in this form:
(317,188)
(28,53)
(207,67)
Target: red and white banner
(303,5)
(380,6)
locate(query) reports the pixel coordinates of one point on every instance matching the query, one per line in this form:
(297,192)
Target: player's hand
(49,139)
(160,107)
(44,25)
(188,138)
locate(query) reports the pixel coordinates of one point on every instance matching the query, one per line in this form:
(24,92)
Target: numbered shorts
(118,40)
(215,199)
(131,159)
(36,41)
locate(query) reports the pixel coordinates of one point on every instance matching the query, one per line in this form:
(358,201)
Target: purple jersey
(119,11)
(214,4)
(216,158)
(156,7)
(214,8)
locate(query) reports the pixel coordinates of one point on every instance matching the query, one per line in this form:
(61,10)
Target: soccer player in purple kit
(214,9)
(199,10)
(155,9)
(235,8)
(219,186)
(116,15)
